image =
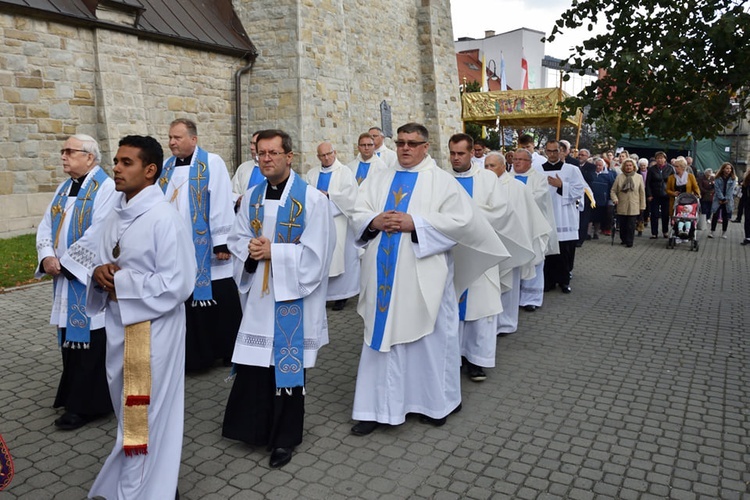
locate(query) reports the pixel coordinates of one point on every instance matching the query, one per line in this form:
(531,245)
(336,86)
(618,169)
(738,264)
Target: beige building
(316,68)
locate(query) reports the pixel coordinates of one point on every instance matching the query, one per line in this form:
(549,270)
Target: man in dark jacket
(656,194)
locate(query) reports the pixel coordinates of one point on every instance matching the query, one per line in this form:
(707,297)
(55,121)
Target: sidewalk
(635,386)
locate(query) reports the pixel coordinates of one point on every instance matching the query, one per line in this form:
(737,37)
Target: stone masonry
(323,68)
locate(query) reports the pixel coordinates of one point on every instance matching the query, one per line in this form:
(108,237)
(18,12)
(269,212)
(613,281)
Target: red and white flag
(524,71)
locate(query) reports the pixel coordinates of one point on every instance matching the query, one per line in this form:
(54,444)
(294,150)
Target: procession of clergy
(172,266)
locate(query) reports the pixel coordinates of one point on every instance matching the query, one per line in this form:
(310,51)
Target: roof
(470,69)
(212,26)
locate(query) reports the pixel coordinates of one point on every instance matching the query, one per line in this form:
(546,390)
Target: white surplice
(389,156)
(77,258)
(375,164)
(156,276)
(565,205)
(298,271)
(241,178)
(220,210)
(417,369)
(343,276)
(532,288)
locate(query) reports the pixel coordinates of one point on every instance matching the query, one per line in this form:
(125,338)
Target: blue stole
(468,185)
(398,199)
(522,178)
(78,327)
(199,215)
(256,177)
(362,171)
(324,180)
(289,329)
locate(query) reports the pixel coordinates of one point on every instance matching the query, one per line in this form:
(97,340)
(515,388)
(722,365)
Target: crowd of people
(171,266)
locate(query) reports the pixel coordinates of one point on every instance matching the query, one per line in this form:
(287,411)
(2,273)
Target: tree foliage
(670,68)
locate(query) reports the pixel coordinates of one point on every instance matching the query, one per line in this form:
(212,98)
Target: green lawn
(17,260)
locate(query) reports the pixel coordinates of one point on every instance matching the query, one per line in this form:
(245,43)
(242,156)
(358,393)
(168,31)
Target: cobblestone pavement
(635,386)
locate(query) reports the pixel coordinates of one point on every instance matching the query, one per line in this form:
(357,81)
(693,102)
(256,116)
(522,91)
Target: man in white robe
(523,229)
(532,286)
(247,175)
(282,240)
(480,304)
(381,151)
(65,240)
(197,184)
(366,159)
(338,184)
(566,187)
(418,226)
(145,272)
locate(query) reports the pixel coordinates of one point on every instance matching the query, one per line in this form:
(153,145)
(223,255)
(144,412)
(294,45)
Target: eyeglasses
(272,154)
(411,144)
(326,155)
(367,145)
(70,151)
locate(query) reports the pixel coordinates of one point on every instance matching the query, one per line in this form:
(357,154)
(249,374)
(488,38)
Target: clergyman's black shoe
(364,427)
(339,305)
(529,307)
(280,457)
(71,421)
(565,288)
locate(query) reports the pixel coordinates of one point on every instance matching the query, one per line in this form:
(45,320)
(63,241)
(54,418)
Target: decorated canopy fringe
(516,108)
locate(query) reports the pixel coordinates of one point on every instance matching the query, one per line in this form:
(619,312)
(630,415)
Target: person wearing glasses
(566,187)
(532,284)
(424,243)
(387,155)
(197,184)
(283,240)
(366,159)
(65,240)
(338,183)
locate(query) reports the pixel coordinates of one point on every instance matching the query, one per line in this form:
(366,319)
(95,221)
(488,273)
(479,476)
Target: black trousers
(627,228)
(659,208)
(211,331)
(557,268)
(83,385)
(257,416)
(725,216)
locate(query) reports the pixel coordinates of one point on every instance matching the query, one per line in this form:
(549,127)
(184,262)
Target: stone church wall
(323,68)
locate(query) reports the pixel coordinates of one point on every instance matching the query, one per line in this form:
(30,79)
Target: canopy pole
(559,109)
(580,122)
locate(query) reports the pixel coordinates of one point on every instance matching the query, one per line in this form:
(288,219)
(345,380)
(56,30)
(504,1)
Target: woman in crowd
(629,196)
(723,204)
(744,204)
(706,184)
(681,181)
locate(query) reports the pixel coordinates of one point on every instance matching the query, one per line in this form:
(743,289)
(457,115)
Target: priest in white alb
(338,184)
(145,272)
(366,159)
(247,175)
(532,286)
(282,240)
(424,239)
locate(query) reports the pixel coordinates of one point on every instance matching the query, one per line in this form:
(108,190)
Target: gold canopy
(516,108)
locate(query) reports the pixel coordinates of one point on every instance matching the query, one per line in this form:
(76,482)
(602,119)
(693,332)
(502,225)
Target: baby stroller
(684,221)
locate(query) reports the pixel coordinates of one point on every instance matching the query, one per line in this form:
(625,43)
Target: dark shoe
(622,243)
(745,242)
(665,235)
(579,244)
(629,245)
(280,457)
(565,288)
(735,220)
(595,237)
(530,308)
(71,421)
(364,427)
(640,233)
(339,305)
(476,374)
(653,237)
(437,422)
